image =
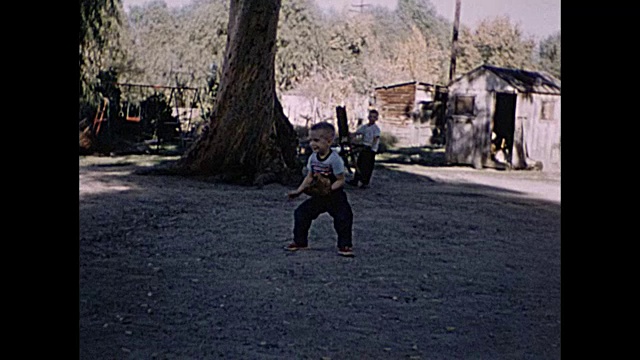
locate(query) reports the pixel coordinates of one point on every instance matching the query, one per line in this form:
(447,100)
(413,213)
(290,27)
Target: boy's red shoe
(345,251)
(293,247)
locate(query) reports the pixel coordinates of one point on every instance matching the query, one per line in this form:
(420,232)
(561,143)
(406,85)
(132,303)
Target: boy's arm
(338,183)
(356,137)
(303,185)
(376,138)
(375,141)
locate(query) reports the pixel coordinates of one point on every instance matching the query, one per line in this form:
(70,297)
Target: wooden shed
(413,112)
(504,117)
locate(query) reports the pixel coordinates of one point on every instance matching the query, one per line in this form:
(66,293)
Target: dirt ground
(451,263)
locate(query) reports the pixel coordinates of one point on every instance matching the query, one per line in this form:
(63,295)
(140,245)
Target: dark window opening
(424,112)
(464,105)
(546,112)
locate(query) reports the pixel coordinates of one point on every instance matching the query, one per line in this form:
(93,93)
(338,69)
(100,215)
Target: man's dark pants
(336,204)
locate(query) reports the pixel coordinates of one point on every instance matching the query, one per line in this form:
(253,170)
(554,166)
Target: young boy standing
(366,159)
(323,162)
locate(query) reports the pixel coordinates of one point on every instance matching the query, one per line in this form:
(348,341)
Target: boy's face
(320,141)
(373,117)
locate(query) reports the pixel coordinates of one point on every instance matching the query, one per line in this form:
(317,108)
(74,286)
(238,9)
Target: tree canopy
(412,41)
(550,54)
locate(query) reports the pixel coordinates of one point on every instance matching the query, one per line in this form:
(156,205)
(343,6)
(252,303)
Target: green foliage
(422,14)
(502,43)
(387,140)
(550,54)
(177,47)
(468,56)
(100,41)
(435,29)
(299,43)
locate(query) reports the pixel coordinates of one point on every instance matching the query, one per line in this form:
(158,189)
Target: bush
(386,141)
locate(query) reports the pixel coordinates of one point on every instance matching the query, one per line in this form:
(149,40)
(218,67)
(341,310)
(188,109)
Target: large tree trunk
(249,139)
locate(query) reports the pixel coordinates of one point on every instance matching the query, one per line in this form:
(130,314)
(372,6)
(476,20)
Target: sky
(537,18)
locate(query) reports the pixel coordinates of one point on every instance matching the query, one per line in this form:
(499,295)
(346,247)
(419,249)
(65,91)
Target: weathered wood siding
(468,137)
(397,105)
(542,136)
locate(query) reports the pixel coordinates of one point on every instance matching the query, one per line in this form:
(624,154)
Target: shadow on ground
(432,156)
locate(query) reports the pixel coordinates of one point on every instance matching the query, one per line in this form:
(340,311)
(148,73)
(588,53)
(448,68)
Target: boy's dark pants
(336,204)
(366,160)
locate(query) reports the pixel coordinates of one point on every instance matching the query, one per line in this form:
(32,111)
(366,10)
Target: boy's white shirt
(371,135)
(332,164)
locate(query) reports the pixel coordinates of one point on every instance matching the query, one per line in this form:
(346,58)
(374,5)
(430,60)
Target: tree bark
(249,139)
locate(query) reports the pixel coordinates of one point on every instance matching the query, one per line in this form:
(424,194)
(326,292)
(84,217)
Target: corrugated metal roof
(527,81)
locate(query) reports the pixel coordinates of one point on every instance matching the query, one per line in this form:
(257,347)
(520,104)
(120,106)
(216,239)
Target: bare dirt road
(451,263)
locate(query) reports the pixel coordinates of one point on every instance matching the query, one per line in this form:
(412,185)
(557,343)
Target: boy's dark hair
(326,127)
(374,111)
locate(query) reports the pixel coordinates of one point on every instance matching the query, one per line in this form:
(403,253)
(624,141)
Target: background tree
(299,43)
(435,29)
(550,54)
(249,139)
(468,57)
(172,46)
(339,76)
(157,34)
(421,58)
(202,37)
(502,43)
(100,42)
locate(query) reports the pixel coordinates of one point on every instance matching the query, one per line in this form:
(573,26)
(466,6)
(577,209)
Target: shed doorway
(504,120)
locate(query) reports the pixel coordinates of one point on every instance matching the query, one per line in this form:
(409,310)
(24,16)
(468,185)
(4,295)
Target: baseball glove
(320,186)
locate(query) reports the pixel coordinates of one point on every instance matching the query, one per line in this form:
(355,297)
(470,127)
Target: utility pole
(454,42)
(361,6)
